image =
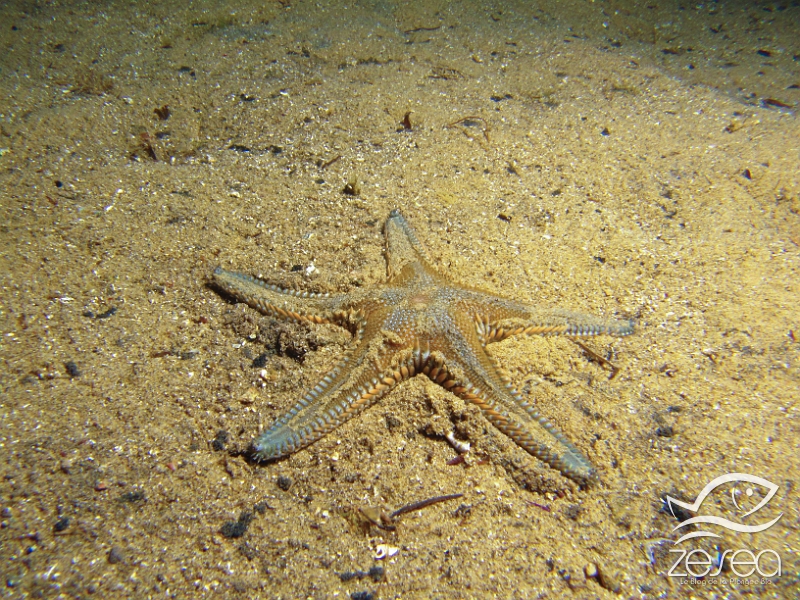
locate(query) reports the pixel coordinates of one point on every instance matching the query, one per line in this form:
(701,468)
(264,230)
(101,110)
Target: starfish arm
(473,375)
(274,301)
(499,318)
(404,249)
(352,386)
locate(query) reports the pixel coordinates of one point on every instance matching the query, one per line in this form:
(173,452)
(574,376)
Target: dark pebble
(115,556)
(236,529)
(260,361)
(219,442)
(362,596)
(134,496)
(665,431)
(61,524)
(72,369)
(284,482)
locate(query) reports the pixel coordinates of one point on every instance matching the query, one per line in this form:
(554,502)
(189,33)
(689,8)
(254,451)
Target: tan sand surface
(618,158)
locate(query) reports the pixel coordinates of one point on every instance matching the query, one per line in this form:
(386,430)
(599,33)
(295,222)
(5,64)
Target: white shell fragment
(384,550)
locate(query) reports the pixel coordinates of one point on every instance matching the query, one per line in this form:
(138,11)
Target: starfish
(418,322)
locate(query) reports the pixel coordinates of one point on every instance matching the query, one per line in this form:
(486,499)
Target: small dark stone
(348,575)
(236,529)
(260,361)
(61,524)
(261,507)
(605,131)
(108,314)
(376,573)
(284,482)
(665,431)
(72,369)
(134,496)
(115,556)
(219,442)
(362,596)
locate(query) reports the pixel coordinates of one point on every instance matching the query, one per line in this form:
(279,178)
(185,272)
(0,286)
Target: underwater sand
(618,158)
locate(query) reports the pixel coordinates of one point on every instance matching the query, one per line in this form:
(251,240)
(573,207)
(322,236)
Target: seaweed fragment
(471,122)
(162,112)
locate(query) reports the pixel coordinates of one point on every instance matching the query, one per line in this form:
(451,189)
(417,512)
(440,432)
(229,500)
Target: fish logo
(711,519)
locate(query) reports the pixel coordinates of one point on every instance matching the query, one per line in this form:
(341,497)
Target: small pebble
(665,431)
(72,369)
(61,524)
(115,556)
(590,571)
(219,442)
(236,529)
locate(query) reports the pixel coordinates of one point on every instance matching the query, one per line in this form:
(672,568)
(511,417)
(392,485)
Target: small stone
(72,369)
(665,431)
(236,529)
(219,442)
(284,482)
(61,524)
(115,556)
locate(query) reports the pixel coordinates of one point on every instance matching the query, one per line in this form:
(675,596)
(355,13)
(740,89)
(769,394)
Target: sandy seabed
(617,158)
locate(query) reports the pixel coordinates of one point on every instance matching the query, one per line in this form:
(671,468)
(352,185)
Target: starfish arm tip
(623,327)
(272,445)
